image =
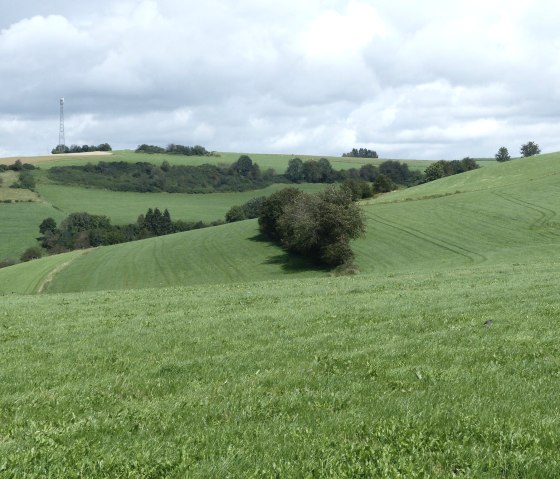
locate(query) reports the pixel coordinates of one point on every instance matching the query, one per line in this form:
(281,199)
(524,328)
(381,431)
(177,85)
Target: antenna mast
(61,139)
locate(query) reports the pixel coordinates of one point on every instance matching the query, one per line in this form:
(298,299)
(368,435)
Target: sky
(436,79)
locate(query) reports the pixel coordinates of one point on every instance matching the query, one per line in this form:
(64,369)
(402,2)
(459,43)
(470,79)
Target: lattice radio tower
(61,139)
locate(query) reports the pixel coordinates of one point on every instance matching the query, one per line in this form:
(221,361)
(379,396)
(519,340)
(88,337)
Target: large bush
(319,226)
(31,253)
(273,208)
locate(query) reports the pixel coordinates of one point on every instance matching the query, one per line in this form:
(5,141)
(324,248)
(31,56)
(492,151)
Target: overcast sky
(433,79)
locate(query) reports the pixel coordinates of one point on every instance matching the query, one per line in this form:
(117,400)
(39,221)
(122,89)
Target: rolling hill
(505,213)
(215,355)
(20,223)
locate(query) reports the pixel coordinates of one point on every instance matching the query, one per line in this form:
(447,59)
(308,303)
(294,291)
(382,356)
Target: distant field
(279,162)
(124,207)
(483,217)
(367,376)
(19,226)
(20,222)
(7,179)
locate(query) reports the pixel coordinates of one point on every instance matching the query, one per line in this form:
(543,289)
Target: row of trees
(26,181)
(84,230)
(60,149)
(25,177)
(321,171)
(526,150)
(244,174)
(361,153)
(17,166)
(174,149)
(142,177)
(442,168)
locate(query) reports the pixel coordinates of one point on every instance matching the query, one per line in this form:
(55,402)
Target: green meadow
(506,213)
(7,179)
(367,376)
(21,211)
(124,207)
(278,162)
(212,353)
(19,225)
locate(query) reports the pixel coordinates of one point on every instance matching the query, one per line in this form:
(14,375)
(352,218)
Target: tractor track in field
(546,215)
(48,279)
(447,245)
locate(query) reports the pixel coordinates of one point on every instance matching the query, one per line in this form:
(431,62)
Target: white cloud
(409,79)
(335,34)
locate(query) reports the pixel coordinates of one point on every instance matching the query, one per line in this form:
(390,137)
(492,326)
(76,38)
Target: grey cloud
(441,79)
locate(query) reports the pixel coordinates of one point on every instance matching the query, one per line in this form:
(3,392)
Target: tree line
(321,171)
(84,230)
(442,168)
(143,177)
(173,149)
(244,175)
(61,149)
(360,153)
(17,166)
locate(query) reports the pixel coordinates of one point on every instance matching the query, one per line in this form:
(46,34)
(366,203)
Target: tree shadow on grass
(290,262)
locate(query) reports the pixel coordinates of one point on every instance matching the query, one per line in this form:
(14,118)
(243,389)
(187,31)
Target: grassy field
(7,179)
(440,359)
(124,207)
(229,253)
(279,162)
(504,214)
(367,376)
(20,226)
(20,221)
(223,254)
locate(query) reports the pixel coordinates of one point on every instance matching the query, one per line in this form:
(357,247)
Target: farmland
(211,353)
(278,162)
(368,375)
(493,215)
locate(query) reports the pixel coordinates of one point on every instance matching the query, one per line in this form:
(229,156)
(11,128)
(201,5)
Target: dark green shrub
(34,252)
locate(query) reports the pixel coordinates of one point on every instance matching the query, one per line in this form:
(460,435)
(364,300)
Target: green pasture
(440,358)
(450,374)
(124,207)
(278,162)
(504,214)
(20,221)
(229,253)
(36,276)
(7,179)
(19,226)
(222,254)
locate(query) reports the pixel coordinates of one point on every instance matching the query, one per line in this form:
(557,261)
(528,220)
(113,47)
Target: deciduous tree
(502,155)
(530,149)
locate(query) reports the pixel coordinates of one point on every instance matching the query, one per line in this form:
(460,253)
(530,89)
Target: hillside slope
(454,374)
(502,214)
(222,254)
